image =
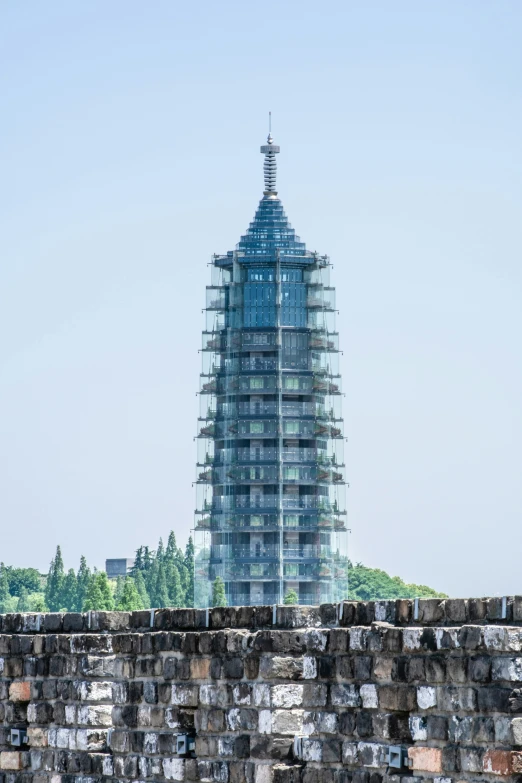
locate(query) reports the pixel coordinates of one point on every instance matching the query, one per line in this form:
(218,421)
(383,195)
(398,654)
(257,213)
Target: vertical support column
(279,424)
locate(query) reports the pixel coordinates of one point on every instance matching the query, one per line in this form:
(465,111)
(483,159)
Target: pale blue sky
(129,144)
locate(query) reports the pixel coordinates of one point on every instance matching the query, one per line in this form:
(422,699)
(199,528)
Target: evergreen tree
(290,598)
(23,601)
(99,594)
(55,580)
(151,582)
(82,583)
(160,552)
(70,591)
(129,599)
(162,594)
(120,581)
(218,592)
(147,559)
(142,590)
(138,561)
(23,577)
(175,589)
(184,577)
(37,602)
(4,590)
(189,565)
(172,548)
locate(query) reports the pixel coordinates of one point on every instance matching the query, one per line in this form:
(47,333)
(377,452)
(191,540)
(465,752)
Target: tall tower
(270,514)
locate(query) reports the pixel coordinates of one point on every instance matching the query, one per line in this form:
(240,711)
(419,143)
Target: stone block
(345,695)
(37,737)
(282,773)
(509,669)
(287,721)
(382,668)
(350,755)
(418,728)
(347,613)
(403,611)
(494,699)
(516,729)
(174,769)
(369,697)
(315,694)
(281,668)
(11,760)
(454,699)
(457,610)
(517,608)
(185,695)
(397,697)
(471,759)
(98,715)
(199,668)
(320,723)
(431,610)
(20,691)
(287,696)
(479,668)
(497,762)
(425,759)
(516,761)
(298,617)
(477,609)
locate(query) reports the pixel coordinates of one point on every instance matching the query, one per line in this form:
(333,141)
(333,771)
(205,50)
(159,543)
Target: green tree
(23,577)
(291,598)
(171,552)
(189,565)
(218,592)
(37,602)
(70,591)
(23,601)
(160,551)
(120,581)
(4,590)
(129,599)
(138,561)
(139,583)
(55,580)
(372,584)
(175,589)
(151,582)
(162,594)
(82,584)
(99,594)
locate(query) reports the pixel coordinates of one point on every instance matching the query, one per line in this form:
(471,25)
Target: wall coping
(420,612)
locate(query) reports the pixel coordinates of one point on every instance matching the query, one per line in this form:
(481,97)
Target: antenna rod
(270,122)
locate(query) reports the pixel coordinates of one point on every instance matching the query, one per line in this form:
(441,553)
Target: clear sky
(129,153)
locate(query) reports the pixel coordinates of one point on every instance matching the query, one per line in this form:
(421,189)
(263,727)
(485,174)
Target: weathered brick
(426,759)
(20,691)
(498,762)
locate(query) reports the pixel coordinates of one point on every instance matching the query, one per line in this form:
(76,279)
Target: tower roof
(270,233)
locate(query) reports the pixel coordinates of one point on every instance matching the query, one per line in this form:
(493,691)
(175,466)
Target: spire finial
(270,150)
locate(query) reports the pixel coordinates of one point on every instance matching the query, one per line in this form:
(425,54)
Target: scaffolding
(270,479)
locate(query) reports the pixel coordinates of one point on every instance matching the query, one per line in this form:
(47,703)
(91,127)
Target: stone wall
(103,696)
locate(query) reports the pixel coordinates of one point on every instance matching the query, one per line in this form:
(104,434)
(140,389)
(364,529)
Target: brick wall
(103,696)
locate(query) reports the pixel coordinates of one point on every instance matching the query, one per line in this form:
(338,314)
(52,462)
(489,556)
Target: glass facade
(270,478)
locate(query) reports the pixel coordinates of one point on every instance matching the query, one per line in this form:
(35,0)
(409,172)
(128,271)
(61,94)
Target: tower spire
(270,150)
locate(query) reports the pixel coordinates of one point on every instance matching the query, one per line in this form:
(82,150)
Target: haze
(129,145)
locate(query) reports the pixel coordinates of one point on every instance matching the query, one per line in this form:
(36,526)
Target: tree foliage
(290,598)
(129,599)
(371,584)
(55,583)
(19,578)
(218,592)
